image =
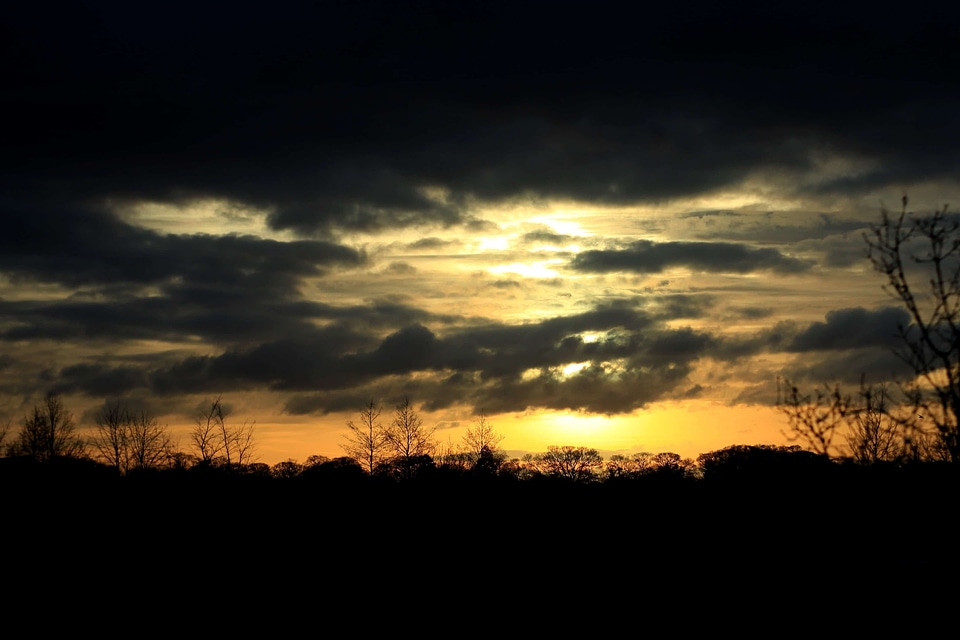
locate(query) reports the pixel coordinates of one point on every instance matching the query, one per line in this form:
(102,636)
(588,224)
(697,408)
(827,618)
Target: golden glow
(688,429)
(562,223)
(205,216)
(573,368)
(498,243)
(539,269)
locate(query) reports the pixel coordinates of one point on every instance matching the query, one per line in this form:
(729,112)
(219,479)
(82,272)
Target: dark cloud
(678,306)
(216,316)
(335,117)
(100,380)
(90,248)
(853,328)
(546,237)
(429,244)
(849,368)
(645,256)
(776,228)
(477,364)
(753,313)
(400,269)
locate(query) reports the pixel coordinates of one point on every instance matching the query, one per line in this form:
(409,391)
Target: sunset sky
(604,228)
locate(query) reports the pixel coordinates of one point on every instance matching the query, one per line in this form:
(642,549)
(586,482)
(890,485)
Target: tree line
(128,440)
(401,447)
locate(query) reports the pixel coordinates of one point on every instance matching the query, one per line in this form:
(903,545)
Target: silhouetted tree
(757,463)
(406,467)
(817,418)
(110,442)
(286,469)
(408,438)
(621,466)
(874,436)
(205,434)
(4,431)
(482,436)
(453,457)
(920,258)
(488,462)
(257,470)
(315,460)
(367,441)
(126,440)
(342,469)
(669,463)
(215,440)
(573,463)
(864,422)
(48,432)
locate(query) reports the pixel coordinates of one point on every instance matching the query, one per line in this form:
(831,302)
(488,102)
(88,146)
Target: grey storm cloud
(334,117)
(850,368)
(645,256)
(90,247)
(480,362)
(854,328)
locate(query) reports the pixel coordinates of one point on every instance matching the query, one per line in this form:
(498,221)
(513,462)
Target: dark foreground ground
(861,553)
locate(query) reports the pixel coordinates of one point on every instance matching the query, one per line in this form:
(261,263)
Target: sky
(601,228)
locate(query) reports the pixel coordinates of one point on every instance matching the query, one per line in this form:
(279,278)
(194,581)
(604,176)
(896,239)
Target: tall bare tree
(49,432)
(206,432)
(481,436)
(367,440)
(482,445)
(408,439)
(110,443)
(148,442)
(920,258)
(127,440)
(216,440)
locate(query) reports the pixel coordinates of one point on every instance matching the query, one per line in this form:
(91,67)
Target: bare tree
(482,436)
(920,258)
(874,435)
(406,436)
(148,442)
(206,432)
(367,441)
(126,440)
(4,431)
(242,444)
(868,422)
(215,440)
(48,432)
(815,419)
(482,446)
(110,443)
